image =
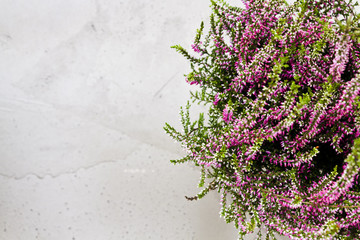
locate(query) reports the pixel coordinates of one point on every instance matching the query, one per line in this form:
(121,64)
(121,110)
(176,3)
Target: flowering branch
(281,141)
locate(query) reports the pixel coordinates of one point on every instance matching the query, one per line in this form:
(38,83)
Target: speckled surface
(85,89)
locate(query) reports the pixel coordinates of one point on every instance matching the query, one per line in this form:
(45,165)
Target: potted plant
(281,138)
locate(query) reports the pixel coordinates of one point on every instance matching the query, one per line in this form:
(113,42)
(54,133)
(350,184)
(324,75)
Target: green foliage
(280,136)
(185,53)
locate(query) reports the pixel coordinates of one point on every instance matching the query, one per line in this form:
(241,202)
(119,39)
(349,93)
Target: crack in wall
(165,84)
(43,176)
(62,173)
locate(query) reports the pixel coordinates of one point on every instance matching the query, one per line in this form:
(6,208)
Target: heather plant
(280,142)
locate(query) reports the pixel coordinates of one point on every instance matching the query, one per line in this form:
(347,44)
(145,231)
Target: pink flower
(227,114)
(217,99)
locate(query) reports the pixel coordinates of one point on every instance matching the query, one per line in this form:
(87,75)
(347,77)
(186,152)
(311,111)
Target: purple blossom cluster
(282,139)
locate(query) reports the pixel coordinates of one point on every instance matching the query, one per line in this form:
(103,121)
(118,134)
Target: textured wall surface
(85,89)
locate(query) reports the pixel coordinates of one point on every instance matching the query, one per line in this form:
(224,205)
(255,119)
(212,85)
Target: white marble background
(85,89)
